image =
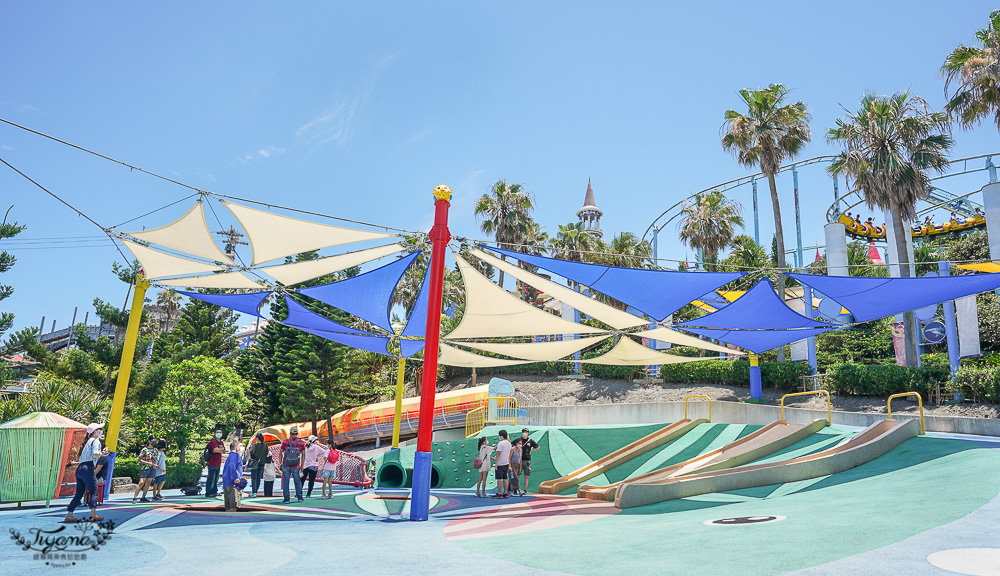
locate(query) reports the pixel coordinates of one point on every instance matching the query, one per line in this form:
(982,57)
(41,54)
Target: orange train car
(376,420)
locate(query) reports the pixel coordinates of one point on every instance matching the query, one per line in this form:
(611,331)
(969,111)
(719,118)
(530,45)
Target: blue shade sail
(416,325)
(305,319)
(657,293)
(757,321)
(361,341)
(367,296)
(245,303)
(870,298)
(408,348)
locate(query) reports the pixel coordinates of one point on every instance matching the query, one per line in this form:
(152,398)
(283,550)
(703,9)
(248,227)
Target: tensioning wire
(70,206)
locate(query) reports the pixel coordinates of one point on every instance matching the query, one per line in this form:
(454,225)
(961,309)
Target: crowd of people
(302,463)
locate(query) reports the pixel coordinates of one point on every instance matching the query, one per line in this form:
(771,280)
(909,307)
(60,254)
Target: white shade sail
(681,339)
(296,272)
(224,280)
(275,236)
(611,316)
(628,353)
(156,264)
(188,234)
(451,356)
(536,351)
(491,312)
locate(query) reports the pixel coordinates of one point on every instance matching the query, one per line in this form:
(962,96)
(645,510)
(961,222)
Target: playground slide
(869,444)
(767,440)
(620,456)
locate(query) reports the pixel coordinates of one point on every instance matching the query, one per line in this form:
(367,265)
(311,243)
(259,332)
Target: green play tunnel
(395,475)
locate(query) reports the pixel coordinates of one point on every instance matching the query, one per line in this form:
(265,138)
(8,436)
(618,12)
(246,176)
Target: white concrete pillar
(836,249)
(991,205)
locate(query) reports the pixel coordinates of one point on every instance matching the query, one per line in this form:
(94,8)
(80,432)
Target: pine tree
(6,263)
(203,330)
(299,377)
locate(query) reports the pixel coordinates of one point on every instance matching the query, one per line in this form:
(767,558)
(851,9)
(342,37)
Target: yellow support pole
(400,390)
(125,369)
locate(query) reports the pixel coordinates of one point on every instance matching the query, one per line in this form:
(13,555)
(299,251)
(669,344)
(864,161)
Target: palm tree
(976,70)
(506,213)
(626,250)
(767,135)
(750,257)
(890,144)
(709,223)
(170,302)
(574,243)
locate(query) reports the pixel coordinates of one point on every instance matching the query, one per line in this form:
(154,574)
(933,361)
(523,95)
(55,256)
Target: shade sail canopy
(296,272)
(536,351)
(361,341)
(245,303)
(870,298)
(628,353)
(189,234)
(674,337)
(757,321)
(156,264)
(991,267)
(490,311)
(367,296)
(655,292)
(224,280)
(611,316)
(42,420)
(275,236)
(451,356)
(416,324)
(305,319)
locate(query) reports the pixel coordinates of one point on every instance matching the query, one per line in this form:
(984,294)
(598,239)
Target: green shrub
(783,375)
(604,371)
(177,475)
(882,379)
(980,382)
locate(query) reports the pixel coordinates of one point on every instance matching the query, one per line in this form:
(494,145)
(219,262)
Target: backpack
(333,456)
(477,462)
(293,455)
(207,453)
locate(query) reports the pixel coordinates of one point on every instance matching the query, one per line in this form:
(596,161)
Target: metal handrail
(698,396)
(920,403)
(829,409)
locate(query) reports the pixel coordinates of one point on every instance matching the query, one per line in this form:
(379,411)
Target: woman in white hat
(85,477)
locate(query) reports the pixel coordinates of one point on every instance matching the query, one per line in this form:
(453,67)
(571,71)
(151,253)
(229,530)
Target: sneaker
(286,501)
(302,499)
(144,500)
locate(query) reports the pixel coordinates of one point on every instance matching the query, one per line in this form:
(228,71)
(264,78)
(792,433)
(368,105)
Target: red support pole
(439,236)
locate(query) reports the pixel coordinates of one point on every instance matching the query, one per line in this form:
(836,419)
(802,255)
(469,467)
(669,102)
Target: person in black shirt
(527,447)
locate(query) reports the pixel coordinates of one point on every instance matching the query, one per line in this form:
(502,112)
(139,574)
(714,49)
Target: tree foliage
(975,73)
(7,261)
(198,395)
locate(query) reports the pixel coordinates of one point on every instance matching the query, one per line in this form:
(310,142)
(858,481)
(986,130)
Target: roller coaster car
(861,229)
(920,231)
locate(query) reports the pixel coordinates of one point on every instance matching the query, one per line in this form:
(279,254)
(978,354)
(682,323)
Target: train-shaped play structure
(870,231)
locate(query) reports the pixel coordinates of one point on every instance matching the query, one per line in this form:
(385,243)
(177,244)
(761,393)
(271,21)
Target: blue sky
(358,111)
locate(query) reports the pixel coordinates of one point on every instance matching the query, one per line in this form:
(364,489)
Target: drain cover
(742,520)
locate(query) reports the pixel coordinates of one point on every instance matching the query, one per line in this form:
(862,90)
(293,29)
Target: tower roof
(589,199)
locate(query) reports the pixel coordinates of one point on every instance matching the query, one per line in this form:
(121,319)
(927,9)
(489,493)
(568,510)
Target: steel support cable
(70,206)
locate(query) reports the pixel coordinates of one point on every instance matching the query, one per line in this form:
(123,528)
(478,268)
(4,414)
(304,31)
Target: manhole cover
(742,520)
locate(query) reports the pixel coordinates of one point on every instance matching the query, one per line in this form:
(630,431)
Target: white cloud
(261,154)
(5,147)
(339,121)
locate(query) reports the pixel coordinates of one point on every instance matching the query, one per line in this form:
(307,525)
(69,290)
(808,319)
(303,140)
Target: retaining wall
(741,413)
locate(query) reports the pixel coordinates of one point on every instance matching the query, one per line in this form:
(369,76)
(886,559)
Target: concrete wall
(741,413)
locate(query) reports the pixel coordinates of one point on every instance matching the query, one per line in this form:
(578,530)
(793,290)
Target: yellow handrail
(475,421)
(920,403)
(698,396)
(501,410)
(829,410)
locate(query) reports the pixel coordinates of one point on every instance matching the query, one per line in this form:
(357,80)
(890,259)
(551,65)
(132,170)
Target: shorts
(331,474)
(160,479)
(503,472)
(526,467)
(150,473)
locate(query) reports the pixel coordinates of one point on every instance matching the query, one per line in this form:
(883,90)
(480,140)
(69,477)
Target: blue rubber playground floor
(931,506)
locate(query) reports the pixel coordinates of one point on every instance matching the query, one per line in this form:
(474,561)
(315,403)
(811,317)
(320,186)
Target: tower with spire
(590,214)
